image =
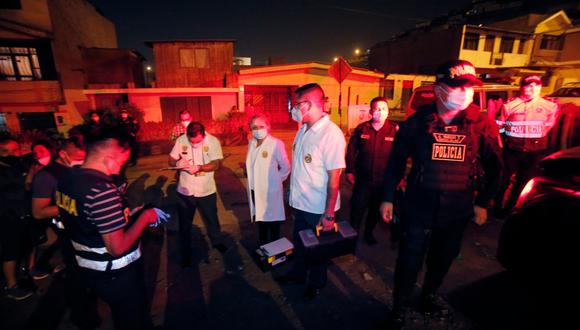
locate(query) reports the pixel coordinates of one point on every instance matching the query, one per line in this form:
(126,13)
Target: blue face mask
(259,134)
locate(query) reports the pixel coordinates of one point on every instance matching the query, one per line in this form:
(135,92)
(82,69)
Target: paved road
(229,291)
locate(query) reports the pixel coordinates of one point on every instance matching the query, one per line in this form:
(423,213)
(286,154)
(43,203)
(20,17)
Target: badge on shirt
(205,149)
(449,147)
(264,154)
(308,158)
(184,149)
(365,136)
(450,129)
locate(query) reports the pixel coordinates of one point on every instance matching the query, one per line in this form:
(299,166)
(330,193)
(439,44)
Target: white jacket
(267,167)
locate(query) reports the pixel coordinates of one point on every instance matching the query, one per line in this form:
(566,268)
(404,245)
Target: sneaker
(38,274)
(16,293)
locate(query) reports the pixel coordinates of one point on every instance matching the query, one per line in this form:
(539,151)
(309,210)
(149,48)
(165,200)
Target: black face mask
(10,160)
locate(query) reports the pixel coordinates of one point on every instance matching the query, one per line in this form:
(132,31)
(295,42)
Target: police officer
(131,126)
(445,141)
(105,242)
(525,124)
(366,161)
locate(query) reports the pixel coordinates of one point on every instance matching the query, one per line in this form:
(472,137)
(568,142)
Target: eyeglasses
(297,104)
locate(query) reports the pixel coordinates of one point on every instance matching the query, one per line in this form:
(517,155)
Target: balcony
(30,92)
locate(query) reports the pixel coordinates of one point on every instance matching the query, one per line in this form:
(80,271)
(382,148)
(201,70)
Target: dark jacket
(368,151)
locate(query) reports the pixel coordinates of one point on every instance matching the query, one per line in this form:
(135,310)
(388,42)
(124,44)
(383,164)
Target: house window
(489,42)
(389,89)
(19,63)
(521,46)
(187,57)
(194,58)
(471,41)
(551,42)
(506,45)
(202,58)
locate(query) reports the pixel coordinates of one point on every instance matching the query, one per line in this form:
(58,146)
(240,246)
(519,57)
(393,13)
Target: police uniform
(438,199)
(90,205)
(525,129)
(366,157)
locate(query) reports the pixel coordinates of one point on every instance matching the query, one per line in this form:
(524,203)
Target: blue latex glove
(162,217)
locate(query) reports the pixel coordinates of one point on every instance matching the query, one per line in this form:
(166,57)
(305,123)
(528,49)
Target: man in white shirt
(197,154)
(317,162)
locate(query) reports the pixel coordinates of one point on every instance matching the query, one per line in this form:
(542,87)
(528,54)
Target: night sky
(300,30)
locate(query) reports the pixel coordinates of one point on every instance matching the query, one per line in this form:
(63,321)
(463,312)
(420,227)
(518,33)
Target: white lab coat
(267,167)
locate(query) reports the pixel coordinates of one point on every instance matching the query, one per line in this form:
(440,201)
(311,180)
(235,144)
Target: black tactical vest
(446,154)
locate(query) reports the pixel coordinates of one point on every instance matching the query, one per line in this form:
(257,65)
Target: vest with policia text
(445,159)
(525,126)
(73,197)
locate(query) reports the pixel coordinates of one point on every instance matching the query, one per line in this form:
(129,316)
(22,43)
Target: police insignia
(308,158)
(448,138)
(205,149)
(449,147)
(264,154)
(184,149)
(365,136)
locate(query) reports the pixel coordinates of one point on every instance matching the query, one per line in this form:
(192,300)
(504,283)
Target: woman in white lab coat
(267,166)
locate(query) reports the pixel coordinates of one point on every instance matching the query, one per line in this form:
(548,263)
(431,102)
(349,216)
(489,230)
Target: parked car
(569,93)
(538,241)
(489,97)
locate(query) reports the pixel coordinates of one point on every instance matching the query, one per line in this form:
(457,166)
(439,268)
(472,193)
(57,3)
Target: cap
(457,73)
(531,79)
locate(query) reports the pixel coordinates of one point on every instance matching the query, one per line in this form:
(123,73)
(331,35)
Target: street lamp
(336,59)
(357,51)
(148,68)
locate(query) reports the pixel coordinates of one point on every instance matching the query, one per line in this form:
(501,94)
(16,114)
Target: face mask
(185,123)
(296,114)
(44,160)
(455,99)
(75,163)
(259,134)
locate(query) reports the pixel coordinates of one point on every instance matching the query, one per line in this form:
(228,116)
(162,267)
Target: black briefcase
(322,246)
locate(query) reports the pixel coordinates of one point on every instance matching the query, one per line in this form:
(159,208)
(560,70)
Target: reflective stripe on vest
(84,248)
(115,264)
(525,129)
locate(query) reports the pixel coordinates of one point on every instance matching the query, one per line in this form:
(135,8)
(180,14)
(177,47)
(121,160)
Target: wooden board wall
(170,73)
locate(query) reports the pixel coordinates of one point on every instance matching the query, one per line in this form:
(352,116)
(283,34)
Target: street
(229,291)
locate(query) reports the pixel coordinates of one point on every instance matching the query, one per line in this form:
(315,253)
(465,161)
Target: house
(42,71)
(504,41)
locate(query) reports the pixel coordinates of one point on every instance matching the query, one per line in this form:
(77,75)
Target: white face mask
(297,115)
(44,160)
(75,163)
(185,123)
(454,98)
(259,134)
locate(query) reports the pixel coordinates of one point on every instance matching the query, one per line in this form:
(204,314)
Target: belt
(114,264)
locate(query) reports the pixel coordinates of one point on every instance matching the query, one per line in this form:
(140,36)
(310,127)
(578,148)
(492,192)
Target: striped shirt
(104,207)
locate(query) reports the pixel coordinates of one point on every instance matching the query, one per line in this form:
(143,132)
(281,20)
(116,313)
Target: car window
(575,134)
(422,98)
(567,92)
(477,98)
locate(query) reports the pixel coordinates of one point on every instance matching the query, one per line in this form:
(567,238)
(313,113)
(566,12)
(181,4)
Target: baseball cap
(531,79)
(457,73)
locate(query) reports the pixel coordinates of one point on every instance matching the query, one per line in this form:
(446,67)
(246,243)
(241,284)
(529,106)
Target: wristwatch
(328,217)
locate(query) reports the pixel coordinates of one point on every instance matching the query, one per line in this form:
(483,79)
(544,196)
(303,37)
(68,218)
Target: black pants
(525,166)
(269,231)
(186,209)
(441,244)
(81,300)
(365,196)
(124,291)
(315,274)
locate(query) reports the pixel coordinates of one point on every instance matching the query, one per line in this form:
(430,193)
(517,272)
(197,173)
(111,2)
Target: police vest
(89,247)
(446,159)
(526,125)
